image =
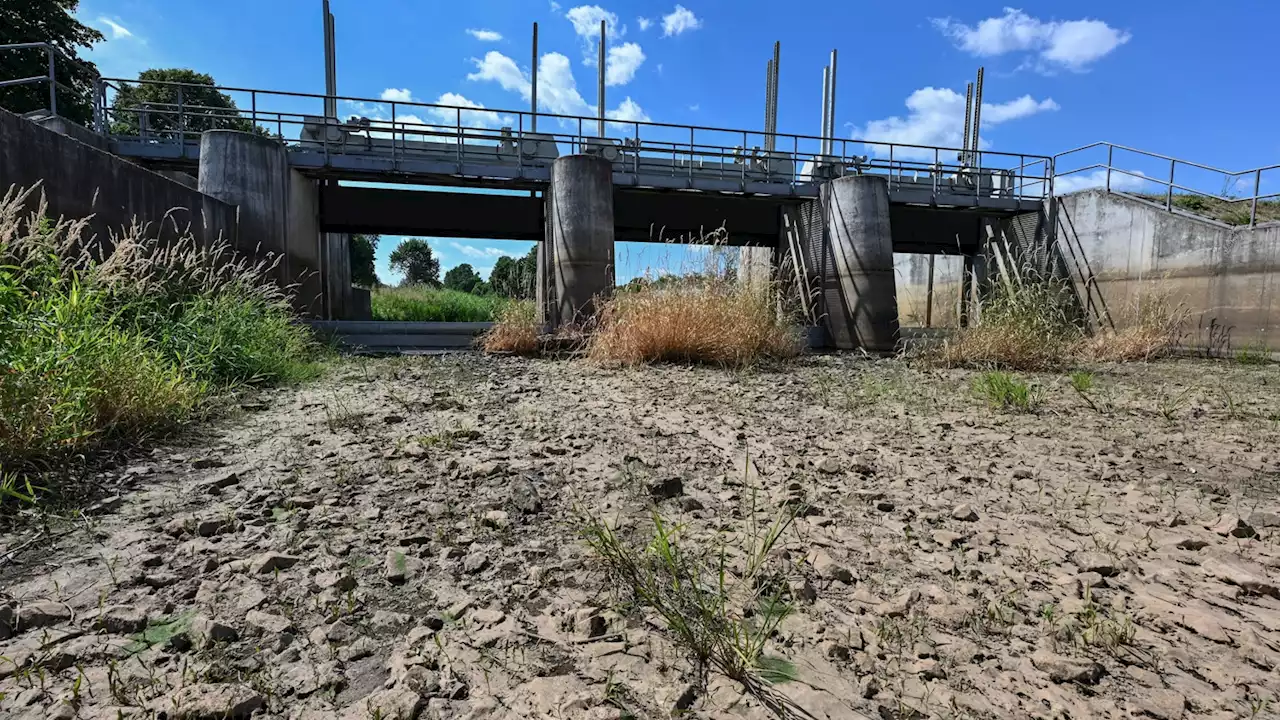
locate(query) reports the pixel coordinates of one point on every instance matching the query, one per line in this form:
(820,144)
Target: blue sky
(1168,76)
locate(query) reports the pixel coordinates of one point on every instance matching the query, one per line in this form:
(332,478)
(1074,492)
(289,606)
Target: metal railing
(393,128)
(50,77)
(1113,178)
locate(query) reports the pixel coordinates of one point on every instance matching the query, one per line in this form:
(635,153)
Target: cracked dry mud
(401,540)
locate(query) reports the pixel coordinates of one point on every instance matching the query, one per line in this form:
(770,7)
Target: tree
(203,106)
(515,278)
(415,259)
(463,278)
(54,22)
(362,250)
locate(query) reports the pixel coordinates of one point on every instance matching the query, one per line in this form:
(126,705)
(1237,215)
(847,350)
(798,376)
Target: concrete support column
(278,213)
(755,265)
(864,311)
(580,219)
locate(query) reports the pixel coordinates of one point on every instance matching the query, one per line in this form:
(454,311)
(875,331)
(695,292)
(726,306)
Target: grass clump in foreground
(418,303)
(515,330)
(100,354)
(701,319)
(721,604)
(1005,391)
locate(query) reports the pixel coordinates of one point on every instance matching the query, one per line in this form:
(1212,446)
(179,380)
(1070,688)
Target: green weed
(1003,390)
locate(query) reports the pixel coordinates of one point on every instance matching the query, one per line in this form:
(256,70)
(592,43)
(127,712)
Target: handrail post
(635,162)
(182,120)
(395,162)
(519,137)
(253,106)
(890,166)
(742,173)
(458,129)
(690,156)
(1257,188)
(1168,196)
(53,83)
(1110,153)
(934,174)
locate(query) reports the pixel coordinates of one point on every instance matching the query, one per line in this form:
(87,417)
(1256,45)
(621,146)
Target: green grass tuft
(425,304)
(1006,391)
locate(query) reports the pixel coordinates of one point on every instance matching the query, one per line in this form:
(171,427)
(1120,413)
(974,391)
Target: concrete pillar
(864,311)
(755,265)
(580,215)
(278,209)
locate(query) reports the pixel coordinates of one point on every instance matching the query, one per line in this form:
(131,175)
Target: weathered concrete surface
(1117,247)
(911,279)
(580,220)
(863,312)
(80,180)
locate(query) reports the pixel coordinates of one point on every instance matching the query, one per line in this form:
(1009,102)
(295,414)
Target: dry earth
(403,539)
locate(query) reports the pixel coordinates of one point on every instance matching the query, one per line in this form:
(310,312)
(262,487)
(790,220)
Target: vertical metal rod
(600,68)
(1168,196)
(635,159)
(182,120)
(395,164)
(968,122)
(1110,152)
(690,161)
(831,102)
(771,141)
(328,66)
(457,128)
(1257,189)
(826,104)
(928,302)
(333,61)
(533,103)
(977,109)
(53,83)
(768,94)
(890,166)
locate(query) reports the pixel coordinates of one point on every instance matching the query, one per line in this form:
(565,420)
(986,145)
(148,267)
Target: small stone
(40,614)
(392,419)
(475,563)
(803,591)
(1063,669)
(270,562)
(488,617)
(61,711)
(497,519)
(397,567)
(900,604)
(267,622)
(685,700)
(208,631)
(342,582)
(666,489)
(1192,544)
(690,503)
(868,687)
(123,619)
(524,497)
(1246,575)
(1089,580)
(835,650)
(222,480)
(829,465)
(829,568)
(885,506)
(1233,526)
(206,463)
(1264,519)
(422,681)
(947,539)
(209,701)
(965,513)
(1162,704)
(1096,562)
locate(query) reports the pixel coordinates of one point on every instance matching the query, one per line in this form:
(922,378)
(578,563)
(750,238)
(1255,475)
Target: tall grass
(425,304)
(96,354)
(706,316)
(515,330)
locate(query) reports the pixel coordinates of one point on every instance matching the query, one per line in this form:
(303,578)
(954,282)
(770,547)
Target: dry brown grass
(1150,327)
(515,331)
(701,320)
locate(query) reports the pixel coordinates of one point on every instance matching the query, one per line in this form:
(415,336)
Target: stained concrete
(863,313)
(1119,248)
(581,234)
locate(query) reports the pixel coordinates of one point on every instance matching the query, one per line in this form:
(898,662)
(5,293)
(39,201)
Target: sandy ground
(403,539)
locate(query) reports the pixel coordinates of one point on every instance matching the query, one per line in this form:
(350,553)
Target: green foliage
(463,278)
(427,304)
(515,278)
(99,355)
(55,22)
(1255,353)
(1082,380)
(1194,203)
(415,259)
(363,250)
(203,107)
(1006,391)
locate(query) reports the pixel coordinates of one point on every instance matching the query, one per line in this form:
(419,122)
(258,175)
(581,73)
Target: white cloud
(1076,182)
(695,107)
(679,21)
(622,63)
(478,117)
(557,88)
(397,95)
(936,117)
(555,6)
(586,21)
(483,253)
(644,23)
(1072,44)
(485,35)
(117,30)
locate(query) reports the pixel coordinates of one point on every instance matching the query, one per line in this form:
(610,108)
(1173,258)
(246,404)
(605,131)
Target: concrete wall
(80,180)
(911,280)
(1118,247)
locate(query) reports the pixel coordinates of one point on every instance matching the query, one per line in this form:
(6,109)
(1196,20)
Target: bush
(1025,325)
(419,303)
(703,319)
(516,330)
(96,355)
(1150,327)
